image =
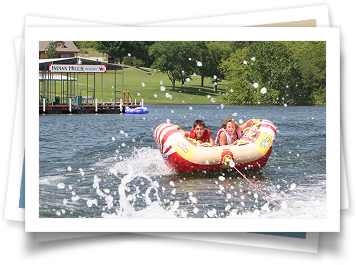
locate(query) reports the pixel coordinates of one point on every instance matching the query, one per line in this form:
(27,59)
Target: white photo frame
(330,223)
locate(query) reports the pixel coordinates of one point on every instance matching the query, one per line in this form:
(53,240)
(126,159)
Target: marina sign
(77,68)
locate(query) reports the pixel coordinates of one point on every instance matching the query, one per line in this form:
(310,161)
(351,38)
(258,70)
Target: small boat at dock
(137,110)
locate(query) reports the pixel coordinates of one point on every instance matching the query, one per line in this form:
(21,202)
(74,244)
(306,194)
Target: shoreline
(218,104)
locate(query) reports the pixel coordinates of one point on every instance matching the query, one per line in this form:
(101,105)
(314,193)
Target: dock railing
(81,105)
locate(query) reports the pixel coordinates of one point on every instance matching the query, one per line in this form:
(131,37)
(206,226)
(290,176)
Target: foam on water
(307,201)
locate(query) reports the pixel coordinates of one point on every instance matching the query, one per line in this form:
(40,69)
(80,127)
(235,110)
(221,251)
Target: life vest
(204,137)
(229,138)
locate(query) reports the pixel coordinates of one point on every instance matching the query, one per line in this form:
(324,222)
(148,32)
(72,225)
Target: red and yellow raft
(184,155)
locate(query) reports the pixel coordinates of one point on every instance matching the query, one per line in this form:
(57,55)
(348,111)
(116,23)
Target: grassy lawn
(145,84)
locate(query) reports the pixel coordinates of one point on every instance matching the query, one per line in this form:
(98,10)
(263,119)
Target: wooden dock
(100,108)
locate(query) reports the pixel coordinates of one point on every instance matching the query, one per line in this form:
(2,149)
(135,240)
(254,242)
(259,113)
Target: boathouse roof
(78,60)
(68,46)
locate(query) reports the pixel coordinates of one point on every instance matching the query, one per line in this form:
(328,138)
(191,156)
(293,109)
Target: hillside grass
(134,78)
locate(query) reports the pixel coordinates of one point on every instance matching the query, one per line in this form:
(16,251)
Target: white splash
(221,178)
(153,209)
(292,186)
(91,202)
(143,160)
(61,186)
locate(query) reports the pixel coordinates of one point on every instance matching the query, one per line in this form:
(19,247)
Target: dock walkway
(101,108)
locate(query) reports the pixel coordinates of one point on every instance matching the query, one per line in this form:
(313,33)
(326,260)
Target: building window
(59,45)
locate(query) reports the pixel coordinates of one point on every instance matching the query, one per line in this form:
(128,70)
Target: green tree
(239,91)
(140,50)
(312,59)
(277,69)
(114,49)
(51,50)
(237,45)
(85,44)
(274,72)
(211,54)
(175,58)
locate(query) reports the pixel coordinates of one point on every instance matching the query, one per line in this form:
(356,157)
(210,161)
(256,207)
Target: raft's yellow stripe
(263,143)
(183,148)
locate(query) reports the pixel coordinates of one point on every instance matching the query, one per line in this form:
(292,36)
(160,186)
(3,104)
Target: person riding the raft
(200,133)
(230,131)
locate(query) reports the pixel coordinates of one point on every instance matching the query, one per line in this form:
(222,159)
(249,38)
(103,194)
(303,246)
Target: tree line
(260,72)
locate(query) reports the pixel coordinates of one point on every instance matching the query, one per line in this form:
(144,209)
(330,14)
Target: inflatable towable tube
(137,110)
(184,155)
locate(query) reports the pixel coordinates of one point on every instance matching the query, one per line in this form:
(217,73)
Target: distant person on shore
(230,131)
(199,132)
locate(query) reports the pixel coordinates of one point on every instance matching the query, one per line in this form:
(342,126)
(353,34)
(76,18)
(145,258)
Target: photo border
(328,224)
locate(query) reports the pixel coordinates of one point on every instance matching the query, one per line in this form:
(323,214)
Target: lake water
(100,166)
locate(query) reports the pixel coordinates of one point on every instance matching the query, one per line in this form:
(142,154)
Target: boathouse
(64,49)
(61,92)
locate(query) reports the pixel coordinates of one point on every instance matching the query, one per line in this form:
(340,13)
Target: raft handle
(192,140)
(195,142)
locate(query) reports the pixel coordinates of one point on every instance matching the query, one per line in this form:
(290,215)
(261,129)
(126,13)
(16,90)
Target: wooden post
(96,105)
(115,87)
(102,88)
(44,105)
(122,81)
(70,105)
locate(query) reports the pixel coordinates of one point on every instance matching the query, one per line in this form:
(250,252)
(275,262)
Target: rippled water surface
(101,166)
